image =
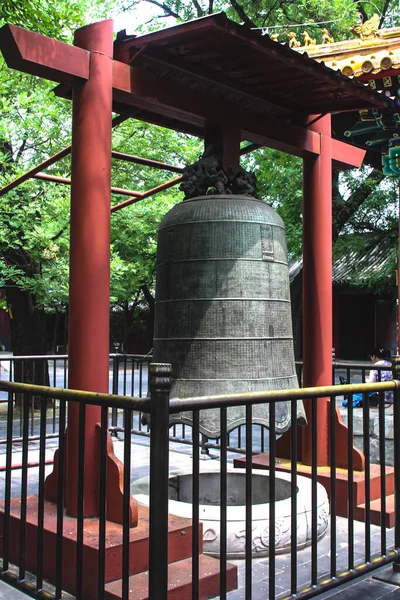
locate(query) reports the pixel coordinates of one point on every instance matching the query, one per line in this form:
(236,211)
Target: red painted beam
(139,88)
(134,87)
(48,162)
(32,172)
(42,56)
(89,290)
(345,156)
(147,162)
(283,137)
(67,181)
(317,289)
(159,188)
(89,257)
(48,58)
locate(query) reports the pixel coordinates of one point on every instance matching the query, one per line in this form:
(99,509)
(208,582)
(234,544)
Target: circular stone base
(180,505)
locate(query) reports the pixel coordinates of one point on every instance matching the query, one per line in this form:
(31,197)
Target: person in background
(377,357)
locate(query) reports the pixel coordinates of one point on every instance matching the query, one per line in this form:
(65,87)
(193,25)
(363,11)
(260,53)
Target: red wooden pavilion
(212,78)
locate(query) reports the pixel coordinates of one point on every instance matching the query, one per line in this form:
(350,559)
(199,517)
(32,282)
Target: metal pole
(48,162)
(398,274)
(67,181)
(32,172)
(160,384)
(392,575)
(396,429)
(147,162)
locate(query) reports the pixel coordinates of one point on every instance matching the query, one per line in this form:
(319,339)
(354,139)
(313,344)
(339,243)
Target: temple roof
(220,58)
(371,58)
(370,257)
(376,61)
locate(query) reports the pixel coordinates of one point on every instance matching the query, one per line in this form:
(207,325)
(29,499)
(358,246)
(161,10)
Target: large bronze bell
(222,312)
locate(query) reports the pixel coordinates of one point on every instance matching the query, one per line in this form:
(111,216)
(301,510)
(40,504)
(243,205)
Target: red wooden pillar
(89,296)
(89,300)
(317,286)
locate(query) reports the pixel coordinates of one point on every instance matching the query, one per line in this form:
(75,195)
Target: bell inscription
(222,312)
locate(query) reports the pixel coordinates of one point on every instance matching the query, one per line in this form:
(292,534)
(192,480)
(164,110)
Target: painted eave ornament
(391,161)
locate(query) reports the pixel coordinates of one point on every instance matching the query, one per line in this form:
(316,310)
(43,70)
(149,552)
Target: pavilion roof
(370,59)
(369,257)
(218,58)
(375,61)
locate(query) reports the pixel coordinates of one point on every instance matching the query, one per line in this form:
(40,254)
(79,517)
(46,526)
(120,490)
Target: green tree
(34,232)
(35,124)
(134,228)
(34,218)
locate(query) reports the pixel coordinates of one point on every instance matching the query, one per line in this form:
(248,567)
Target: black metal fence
(36,551)
(348,549)
(128,376)
(363,554)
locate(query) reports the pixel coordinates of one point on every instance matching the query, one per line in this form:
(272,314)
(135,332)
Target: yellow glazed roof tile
(355,58)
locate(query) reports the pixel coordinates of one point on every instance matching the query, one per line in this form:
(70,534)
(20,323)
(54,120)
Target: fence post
(159,383)
(115,375)
(115,389)
(392,575)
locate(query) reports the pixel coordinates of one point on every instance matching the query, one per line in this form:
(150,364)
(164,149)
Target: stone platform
(179,552)
(261,461)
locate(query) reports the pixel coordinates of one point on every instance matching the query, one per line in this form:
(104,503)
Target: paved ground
(9,593)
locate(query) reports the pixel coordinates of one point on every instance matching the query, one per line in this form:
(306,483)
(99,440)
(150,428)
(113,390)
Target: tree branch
(361,10)
(59,234)
(210,7)
(273,7)
(343,211)
(384,11)
(363,226)
(337,197)
(199,10)
(21,149)
(6,155)
(238,8)
(168,11)
(148,295)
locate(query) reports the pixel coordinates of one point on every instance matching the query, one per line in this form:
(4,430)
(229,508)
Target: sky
(130,20)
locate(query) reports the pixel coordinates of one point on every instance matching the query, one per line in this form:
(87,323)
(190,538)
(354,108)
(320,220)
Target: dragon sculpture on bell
(207,176)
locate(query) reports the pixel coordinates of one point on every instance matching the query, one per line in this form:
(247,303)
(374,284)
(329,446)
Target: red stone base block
(261,461)
(179,581)
(114,490)
(375,512)
(283,444)
(180,545)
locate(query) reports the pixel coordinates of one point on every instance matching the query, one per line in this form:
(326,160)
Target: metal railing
(36,557)
(318,581)
(27,566)
(128,376)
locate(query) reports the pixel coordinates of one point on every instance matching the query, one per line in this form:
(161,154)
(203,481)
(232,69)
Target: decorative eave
(372,58)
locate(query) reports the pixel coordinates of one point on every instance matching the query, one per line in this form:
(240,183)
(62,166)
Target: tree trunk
(28,338)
